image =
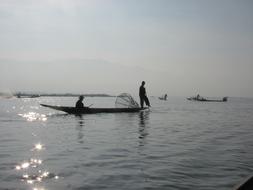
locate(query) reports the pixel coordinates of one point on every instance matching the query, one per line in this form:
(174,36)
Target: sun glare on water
(33,116)
(32,172)
(38,146)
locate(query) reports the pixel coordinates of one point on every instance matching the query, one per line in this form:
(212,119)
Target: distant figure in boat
(225,99)
(163,97)
(198,97)
(79,103)
(143,95)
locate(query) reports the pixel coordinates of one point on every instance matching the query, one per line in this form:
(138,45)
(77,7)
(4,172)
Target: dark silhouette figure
(225,99)
(163,97)
(79,103)
(143,95)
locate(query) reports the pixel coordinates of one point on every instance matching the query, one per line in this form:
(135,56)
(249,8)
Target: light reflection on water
(144,120)
(79,128)
(32,172)
(33,116)
(38,147)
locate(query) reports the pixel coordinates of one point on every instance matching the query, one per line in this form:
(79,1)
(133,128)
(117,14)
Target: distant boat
(34,96)
(201,99)
(27,96)
(163,97)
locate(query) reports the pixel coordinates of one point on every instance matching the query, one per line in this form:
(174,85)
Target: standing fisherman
(143,95)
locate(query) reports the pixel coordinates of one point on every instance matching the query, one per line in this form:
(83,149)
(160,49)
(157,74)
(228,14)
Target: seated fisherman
(79,103)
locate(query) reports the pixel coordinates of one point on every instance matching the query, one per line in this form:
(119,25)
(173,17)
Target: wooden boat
(88,110)
(225,99)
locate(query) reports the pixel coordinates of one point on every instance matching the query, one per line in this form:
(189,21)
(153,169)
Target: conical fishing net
(125,100)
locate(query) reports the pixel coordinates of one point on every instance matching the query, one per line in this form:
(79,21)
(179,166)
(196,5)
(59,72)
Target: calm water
(177,145)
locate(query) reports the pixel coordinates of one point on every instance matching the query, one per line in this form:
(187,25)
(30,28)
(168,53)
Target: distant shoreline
(36,95)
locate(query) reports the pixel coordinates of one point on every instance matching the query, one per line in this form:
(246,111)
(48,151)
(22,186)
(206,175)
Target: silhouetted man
(143,95)
(79,103)
(165,97)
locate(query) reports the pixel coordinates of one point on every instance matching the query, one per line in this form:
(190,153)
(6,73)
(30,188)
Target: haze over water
(176,145)
(180,48)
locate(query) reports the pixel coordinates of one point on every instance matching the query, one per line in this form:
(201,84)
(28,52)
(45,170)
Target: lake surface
(176,145)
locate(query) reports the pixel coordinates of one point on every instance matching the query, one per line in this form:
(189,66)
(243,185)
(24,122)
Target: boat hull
(87,110)
(205,100)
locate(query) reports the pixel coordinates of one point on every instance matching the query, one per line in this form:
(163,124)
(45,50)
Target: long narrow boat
(88,110)
(225,99)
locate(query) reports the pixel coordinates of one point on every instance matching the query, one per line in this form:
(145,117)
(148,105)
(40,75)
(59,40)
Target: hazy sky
(179,47)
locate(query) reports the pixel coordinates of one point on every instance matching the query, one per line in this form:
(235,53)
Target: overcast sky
(179,47)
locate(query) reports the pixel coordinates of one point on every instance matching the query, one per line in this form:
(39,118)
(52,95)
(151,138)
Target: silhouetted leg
(146,101)
(141,101)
